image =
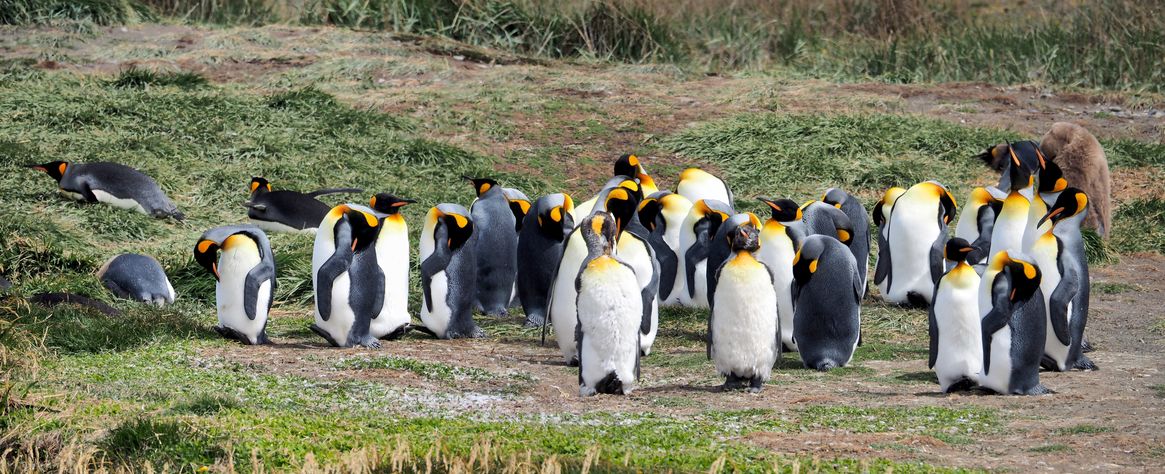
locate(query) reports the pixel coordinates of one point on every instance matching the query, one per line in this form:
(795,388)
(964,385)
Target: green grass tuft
(1083,429)
(1139,226)
(1107,288)
(206,404)
(1050,448)
(160,442)
(428,370)
(138,78)
(920,420)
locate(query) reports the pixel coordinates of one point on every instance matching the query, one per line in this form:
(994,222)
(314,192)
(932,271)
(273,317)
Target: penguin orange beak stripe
(1055,212)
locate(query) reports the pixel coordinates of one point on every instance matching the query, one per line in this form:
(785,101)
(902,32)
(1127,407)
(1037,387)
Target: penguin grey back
(539,251)
(137,277)
(115,179)
(496,247)
(827,297)
(860,245)
(823,219)
(1018,304)
(454,244)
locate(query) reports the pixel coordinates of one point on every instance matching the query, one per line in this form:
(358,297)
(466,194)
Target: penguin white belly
(1045,259)
(960,340)
(392,254)
(744,324)
(340,321)
(230,292)
(563,295)
(968,226)
(634,252)
(271,226)
(437,320)
(610,309)
(704,190)
(1032,230)
(998,376)
(123,203)
(674,219)
(776,251)
(700,298)
(1010,225)
(912,232)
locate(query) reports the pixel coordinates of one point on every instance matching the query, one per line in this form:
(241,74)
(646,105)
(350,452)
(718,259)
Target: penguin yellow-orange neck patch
(204,246)
(597,224)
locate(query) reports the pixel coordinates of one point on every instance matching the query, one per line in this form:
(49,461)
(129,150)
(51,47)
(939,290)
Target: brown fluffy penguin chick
(1084,165)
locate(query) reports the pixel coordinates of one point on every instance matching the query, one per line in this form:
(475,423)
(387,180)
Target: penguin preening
(449,272)
(824,219)
(663,215)
(916,234)
(1085,166)
(244,273)
(137,277)
(699,228)
(609,313)
(1013,328)
(633,248)
(956,341)
(539,251)
(744,336)
(496,245)
(697,184)
(827,303)
(348,280)
(881,217)
(859,244)
(1059,253)
(111,183)
(631,165)
(392,254)
(287,211)
(975,224)
(779,241)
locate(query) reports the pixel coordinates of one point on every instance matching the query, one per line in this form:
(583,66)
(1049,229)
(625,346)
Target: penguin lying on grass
(111,183)
(287,211)
(137,277)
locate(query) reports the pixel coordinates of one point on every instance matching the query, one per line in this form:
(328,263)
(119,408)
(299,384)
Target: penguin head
(519,205)
(457,222)
(996,156)
(1025,279)
(712,211)
(260,185)
(56,169)
(808,257)
(206,254)
(949,207)
(481,185)
(784,210)
(1024,159)
(622,203)
(957,249)
(1052,178)
(386,203)
(1071,202)
(365,227)
(745,237)
(650,210)
(553,213)
(980,196)
(835,197)
(631,165)
(599,231)
(886,203)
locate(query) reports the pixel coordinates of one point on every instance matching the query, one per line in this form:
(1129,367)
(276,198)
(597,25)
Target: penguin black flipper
(712,314)
(578,342)
(431,266)
(322,192)
(698,251)
(254,280)
(997,318)
(933,334)
(336,265)
(982,244)
(882,267)
(937,262)
(1058,308)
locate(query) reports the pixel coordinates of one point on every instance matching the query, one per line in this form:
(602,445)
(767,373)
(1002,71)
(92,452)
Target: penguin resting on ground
(287,211)
(744,336)
(956,347)
(610,310)
(448,273)
(111,183)
(244,276)
(137,277)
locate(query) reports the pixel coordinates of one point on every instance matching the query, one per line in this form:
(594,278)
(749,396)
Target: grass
(1051,448)
(942,423)
(141,78)
(1108,288)
(1083,429)
(1139,226)
(428,370)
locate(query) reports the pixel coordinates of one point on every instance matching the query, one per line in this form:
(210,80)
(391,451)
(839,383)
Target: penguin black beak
(206,253)
(1051,215)
(36,167)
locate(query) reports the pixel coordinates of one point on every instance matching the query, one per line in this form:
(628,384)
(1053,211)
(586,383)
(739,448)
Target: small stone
(458,58)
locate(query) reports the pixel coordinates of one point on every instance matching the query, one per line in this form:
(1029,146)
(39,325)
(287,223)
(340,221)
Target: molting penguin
(697,184)
(348,280)
(1011,221)
(244,274)
(610,312)
(1014,330)
(287,211)
(539,251)
(1060,255)
(496,247)
(779,241)
(392,254)
(956,344)
(663,215)
(137,277)
(1082,159)
(975,224)
(881,217)
(860,243)
(449,272)
(744,336)
(917,234)
(827,294)
(111,183)
(699,228)
(720,248)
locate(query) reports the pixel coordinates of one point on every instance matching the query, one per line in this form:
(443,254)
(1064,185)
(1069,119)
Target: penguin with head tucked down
(720,248)
(697,184)
(520,206)
(699,228)
(539,251)
(956,347)
(856,212)
(244,273)
(823,219)
(663,214)
(1013,329)
(632,247)
(1050,183)
(348,280)
(1059,253)
(114,184)
(779,241)
(744,336)
(609,313)
(1011,221)
(589,206)
(287,211)
(449,272)
(975,224)
(881,218)
(827,303)
(631,165)
(392,254)
(137,277)
(917,234)
(497,246)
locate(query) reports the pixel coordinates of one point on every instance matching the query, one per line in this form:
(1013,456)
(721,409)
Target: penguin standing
(663,215)
(720,248)
(633,247)
(610,312)
(975,224)
(744,336)
(956,344)
(827,303)
(449,272)
(917,234)
(1085,167)
(1011,222)
(244,274)
(392,254)
(563,296)
(496,247)
(348,280)
(1014,329)
(1049,185)
(881,217)
(539,251)
(699,228)
(287,211)
(779,242)
(859,245)
(823,219)
(111,183)
(137,277)
(520,206)
(697,184)
(1059,253)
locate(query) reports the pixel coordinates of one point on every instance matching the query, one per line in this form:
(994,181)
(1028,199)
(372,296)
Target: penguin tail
(916,300)
(964,384)
(424,329)
(610,385)
(1084,363)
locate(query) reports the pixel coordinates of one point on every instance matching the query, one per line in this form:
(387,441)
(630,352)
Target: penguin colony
(1007,294)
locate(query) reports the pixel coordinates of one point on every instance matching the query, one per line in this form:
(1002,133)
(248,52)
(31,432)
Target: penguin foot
(1086,346)
(534,321)
(263,340)
(755,385)
(370,342)
(916,300)
(1039,389)
(573,362)
(1084,363)
(731,383)
(962,385)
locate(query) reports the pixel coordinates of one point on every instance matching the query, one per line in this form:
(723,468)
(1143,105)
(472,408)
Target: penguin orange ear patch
(460,220)
(813,266)
(254,185)
(204,246)
(555,215)
(843,235)
(62,168)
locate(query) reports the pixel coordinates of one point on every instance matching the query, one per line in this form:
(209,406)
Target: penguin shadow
(676,387)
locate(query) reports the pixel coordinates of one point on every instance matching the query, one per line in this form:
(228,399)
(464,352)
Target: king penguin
(975,224)
(244,274)
(631,165)
(392,254)
(956,344)
(588,207)
(881,218)
(823,219)
(827,303)
(114,184)
(744,336)
(662,214)
(779,241)
(1049,184)
(633,248)
(348,281)
(496,247)
(539,250)
(1013,329)
(720,249)
(1059,253)
(137,277)
(699,228)
(287,211)
(697,184)
(917,234)
(449,272)
(609,313)
(856,212)
(1011,222)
